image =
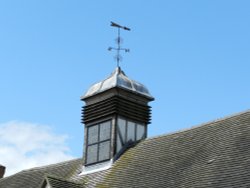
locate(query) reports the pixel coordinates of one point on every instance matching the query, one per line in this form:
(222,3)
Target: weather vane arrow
(118,57)
(113,24)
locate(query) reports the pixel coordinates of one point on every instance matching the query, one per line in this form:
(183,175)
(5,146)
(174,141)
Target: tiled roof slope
(215,155)
(33,178)
(92,179)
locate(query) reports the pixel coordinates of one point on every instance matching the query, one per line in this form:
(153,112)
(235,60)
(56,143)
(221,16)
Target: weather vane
(118,57)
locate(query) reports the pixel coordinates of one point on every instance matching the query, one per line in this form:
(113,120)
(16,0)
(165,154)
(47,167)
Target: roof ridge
(54,164)
(61,179)
(200,125)
(41,167)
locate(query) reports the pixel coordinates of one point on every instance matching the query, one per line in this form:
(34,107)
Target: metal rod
(119,48)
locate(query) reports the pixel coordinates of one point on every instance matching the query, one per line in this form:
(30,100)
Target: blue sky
(192,55)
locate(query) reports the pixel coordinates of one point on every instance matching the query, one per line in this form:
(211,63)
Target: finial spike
(118,57)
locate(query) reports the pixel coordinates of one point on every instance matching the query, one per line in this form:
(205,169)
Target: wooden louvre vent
(117,105)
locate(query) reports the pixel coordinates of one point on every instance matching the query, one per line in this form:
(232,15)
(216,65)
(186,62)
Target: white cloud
(25,145)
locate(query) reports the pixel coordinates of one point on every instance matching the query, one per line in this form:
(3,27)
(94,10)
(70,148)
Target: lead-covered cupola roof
(118,79)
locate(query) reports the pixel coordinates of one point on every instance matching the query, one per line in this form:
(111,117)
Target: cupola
(116,115)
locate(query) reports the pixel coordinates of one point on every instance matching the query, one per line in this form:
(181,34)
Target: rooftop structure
(117,152)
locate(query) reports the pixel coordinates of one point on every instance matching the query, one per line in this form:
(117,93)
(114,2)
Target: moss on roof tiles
(215,154)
